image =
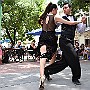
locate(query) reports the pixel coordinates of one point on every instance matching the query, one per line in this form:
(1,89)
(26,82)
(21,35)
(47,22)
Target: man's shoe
(76,82)
(47,76)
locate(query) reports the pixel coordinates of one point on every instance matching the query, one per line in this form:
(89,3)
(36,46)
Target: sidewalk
(25,76)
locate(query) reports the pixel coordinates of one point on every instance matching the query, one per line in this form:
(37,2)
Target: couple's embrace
(48,43)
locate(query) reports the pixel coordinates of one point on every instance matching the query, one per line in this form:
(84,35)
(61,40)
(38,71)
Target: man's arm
(82,26)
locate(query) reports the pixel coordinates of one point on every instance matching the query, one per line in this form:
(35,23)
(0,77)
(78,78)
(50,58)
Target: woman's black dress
(48,37)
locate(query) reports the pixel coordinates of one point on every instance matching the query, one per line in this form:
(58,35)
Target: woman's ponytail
(47,10)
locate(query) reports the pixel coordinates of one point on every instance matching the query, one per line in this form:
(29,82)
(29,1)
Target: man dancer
(66,43)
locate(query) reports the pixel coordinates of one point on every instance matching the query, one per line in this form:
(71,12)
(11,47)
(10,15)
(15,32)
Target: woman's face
(54,11)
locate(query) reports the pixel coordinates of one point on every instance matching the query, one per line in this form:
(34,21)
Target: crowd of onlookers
(18,52)
(83,51)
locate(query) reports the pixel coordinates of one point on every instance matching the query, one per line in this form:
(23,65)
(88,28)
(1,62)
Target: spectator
(82,52)
(88,52)
(0,54)
(32,48)
(19,50)
(77,48)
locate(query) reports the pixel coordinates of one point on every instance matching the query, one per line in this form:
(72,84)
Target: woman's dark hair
(48,9)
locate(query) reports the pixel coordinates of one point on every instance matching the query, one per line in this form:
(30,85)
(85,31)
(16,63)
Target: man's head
(19,42)
(67,8)
(77,44)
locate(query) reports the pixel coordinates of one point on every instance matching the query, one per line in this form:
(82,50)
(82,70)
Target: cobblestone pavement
(18,67)
(25,76)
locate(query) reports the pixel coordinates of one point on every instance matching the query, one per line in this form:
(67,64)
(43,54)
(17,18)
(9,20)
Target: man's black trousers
(69,58)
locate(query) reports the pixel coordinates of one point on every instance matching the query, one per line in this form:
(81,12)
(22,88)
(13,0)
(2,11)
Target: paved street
(25,76)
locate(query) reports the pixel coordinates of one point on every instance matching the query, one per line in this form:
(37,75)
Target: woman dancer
(48,40)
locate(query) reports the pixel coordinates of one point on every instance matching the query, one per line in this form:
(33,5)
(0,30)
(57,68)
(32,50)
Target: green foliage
(80,4)
(21,16)
(76,4)
(61,2)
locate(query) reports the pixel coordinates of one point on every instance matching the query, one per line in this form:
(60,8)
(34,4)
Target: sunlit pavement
(25,76)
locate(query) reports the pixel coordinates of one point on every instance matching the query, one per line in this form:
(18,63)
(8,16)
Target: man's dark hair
(68,4)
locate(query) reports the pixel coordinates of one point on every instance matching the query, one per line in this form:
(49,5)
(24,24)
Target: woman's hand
(84,20)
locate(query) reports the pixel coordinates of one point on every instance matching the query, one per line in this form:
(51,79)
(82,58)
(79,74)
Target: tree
(61,2)
(76,4)
(20,16)
(80,4)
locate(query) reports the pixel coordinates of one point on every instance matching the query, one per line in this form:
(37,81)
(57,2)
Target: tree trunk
(9,37)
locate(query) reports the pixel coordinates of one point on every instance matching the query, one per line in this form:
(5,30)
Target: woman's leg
(42,60)
(42,66)
(51,62)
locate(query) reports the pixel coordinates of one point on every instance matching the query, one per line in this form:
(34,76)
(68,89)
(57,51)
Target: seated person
(88,52)
(32,48)
(77,49)
(19,51)
(0,54)
(83,52)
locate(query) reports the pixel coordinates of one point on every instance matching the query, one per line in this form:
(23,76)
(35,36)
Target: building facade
(83,38)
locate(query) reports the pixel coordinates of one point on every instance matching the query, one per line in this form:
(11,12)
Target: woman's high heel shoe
(41,86)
